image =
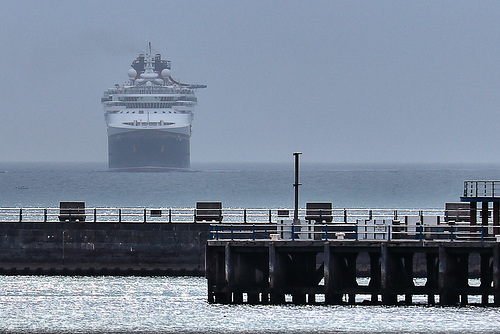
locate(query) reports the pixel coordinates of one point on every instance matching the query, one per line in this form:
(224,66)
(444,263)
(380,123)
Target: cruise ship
(149,118)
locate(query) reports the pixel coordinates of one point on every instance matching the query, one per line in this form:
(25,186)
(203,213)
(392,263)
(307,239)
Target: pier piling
(327,272)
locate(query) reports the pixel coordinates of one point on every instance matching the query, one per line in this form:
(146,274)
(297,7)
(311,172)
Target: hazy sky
(340,81)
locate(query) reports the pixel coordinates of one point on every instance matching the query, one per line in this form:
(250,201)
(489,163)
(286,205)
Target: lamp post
(296,186)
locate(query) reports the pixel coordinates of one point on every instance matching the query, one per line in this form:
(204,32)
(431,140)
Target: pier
(371,259)
(74,239)
(327,272)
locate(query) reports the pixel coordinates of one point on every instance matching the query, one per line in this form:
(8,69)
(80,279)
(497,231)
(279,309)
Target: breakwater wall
(76,240)
(80,248)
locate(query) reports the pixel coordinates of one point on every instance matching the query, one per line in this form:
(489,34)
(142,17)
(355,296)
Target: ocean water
(240,185)
(52,304)
(178,305)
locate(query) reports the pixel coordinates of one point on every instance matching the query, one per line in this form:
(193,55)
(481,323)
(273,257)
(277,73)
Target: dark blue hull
(147,149)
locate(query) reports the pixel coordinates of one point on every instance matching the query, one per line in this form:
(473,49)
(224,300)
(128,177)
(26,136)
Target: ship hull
(148,150)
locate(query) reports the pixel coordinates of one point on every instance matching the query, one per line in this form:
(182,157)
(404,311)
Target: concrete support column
(486,276)
(453,277)
(237,297)
(447,295)
(388,296)
(304,273)
(432,276)
(215,273)
(408,271)
(351,275)
(462,275)
(210,274)
(253,298)
(311,298)
(275,273)
(375,284)
(299,298)
(338,274)
(496,274)
(227,264)
(329,271)
(228,274)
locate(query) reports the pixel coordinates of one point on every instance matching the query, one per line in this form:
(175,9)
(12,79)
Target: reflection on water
(178,304)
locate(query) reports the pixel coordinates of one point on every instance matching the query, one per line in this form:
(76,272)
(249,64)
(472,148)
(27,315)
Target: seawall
(79,248)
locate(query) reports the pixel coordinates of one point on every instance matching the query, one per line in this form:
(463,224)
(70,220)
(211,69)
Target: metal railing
(355,232)
(188,215)
(241,223)
(481,189)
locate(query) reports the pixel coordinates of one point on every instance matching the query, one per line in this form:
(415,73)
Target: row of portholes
(142,112)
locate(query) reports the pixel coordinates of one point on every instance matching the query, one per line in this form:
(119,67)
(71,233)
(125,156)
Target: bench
(457,212)
(319,212)
(72,211)
(208,211)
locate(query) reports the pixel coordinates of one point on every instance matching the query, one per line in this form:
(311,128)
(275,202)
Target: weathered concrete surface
(74,248)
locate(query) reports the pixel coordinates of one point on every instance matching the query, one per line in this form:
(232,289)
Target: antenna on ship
(149,48)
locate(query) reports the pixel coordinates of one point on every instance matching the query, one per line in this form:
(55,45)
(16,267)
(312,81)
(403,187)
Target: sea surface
(53,304)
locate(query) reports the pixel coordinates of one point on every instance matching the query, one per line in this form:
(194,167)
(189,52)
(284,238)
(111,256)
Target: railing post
(120,215)
(20,215)
(95,215)
(244,215)
(232,231)
(345,215)
(395,214)
(370,215)
(293,231)
(169,215)
(356,231)
(325,229)
(144,220)
(253,232)
(44,215)
(270,219)
(451,233)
